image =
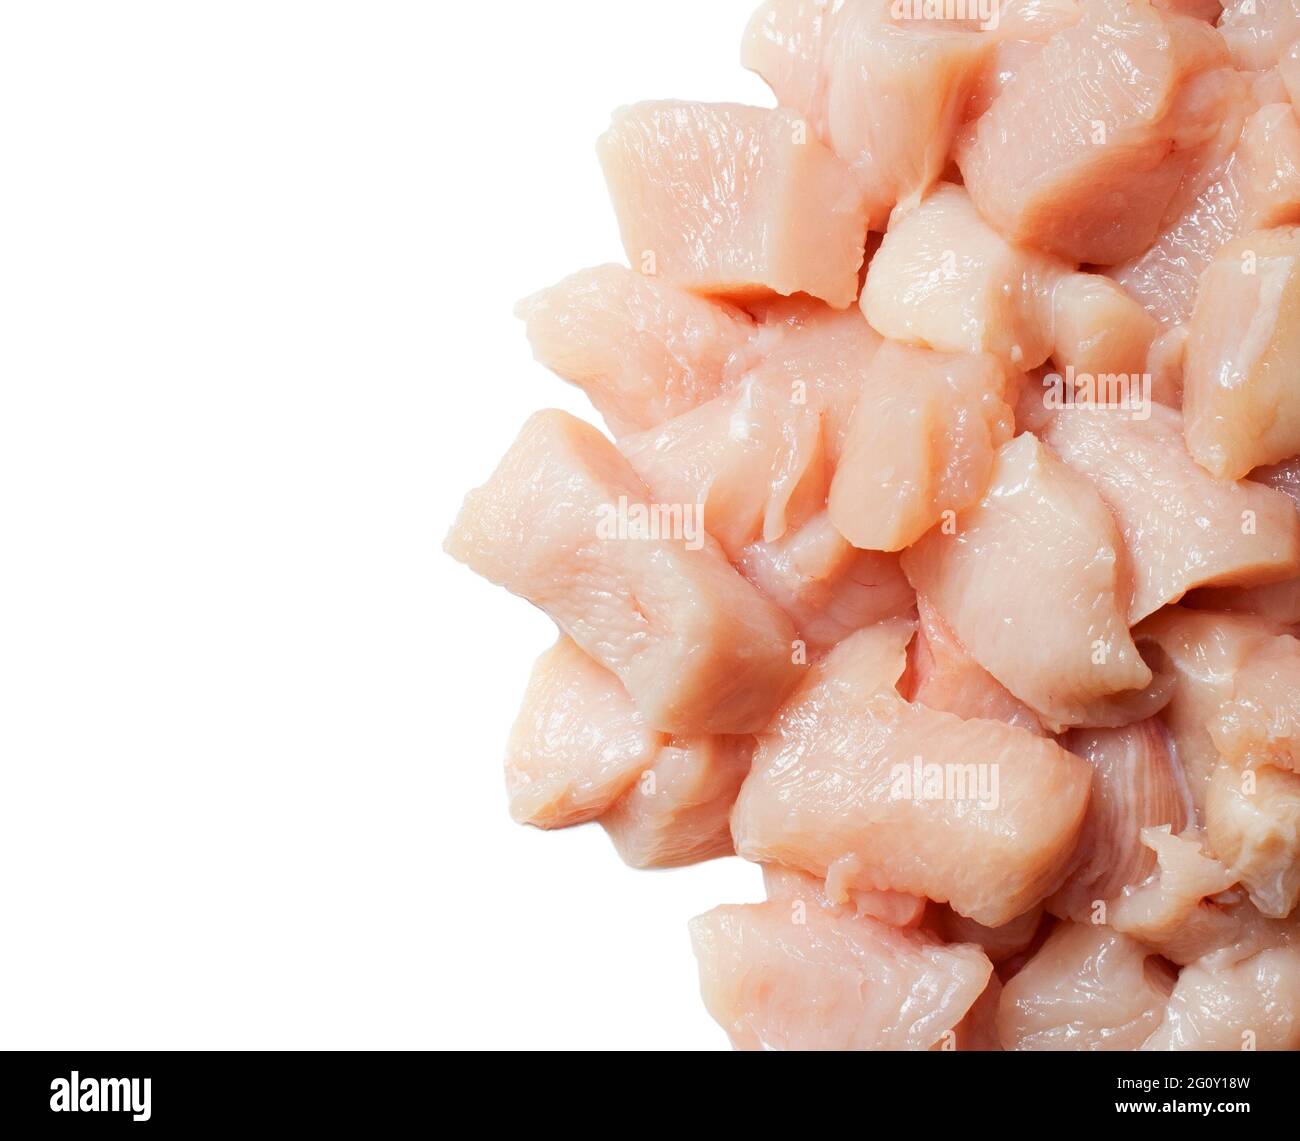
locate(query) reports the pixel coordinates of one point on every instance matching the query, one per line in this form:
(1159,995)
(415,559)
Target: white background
(257,267)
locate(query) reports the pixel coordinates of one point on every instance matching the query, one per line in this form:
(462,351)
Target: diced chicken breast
(1252,820)
(1259,32)
(827,587)
(1253,184)
(921,444)
(885,95)
(578,743)
(1099,329)
(944,279)
(1242,410)
(1258,723)
(642,350)
(817,356)
(734,201)
(1136,785)
(1180,910)
(1202,653)
(1088,988)
(778,977)
(566,523)
(1224,1002)
(679,810)
(1082,152)
(852,783)
(752,460)
(1182,527)
(1033,583)
(944,676)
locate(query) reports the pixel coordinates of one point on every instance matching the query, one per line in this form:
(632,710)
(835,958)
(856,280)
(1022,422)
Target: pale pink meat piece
(1241,407)
(1226,1002)
(1087,988)
(1182,527)
(944,279)
(892,907)
(776,977)
(827,587)
(1279,602)
(921,444)
(1033,582)
(1202,652)
(642,350)
(817,356)
(580,751)
(734,201)
(1186,907)
(578,743)
(678,811)
(886,95)
(699,649)
(1098,328)
(943,676)
(1136,785)
(1253,824)
(751,460)
(1259,32)
(1082,152)
(841,788)
(1249,180)
(1258,721)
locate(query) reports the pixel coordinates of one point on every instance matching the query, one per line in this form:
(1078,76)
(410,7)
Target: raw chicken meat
(886,95)
(785,976)
(1184,909)
(943,278)
(942,675)
(1099,329)
(1249,179)
(578,743)
(1258,32)
(1182,528)
(1087,988)
(753,461)
(580,751)
(827,587)
(1136,784)
(1082,152)
(1241,408)
(1224,1002)
(565,523)
(642,350)
(927,426)
(1252,820)
(852,782)
(678,812)
(1040,552)
(734,201)
(947,561)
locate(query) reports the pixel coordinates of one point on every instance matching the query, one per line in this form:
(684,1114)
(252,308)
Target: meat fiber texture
(943,556)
